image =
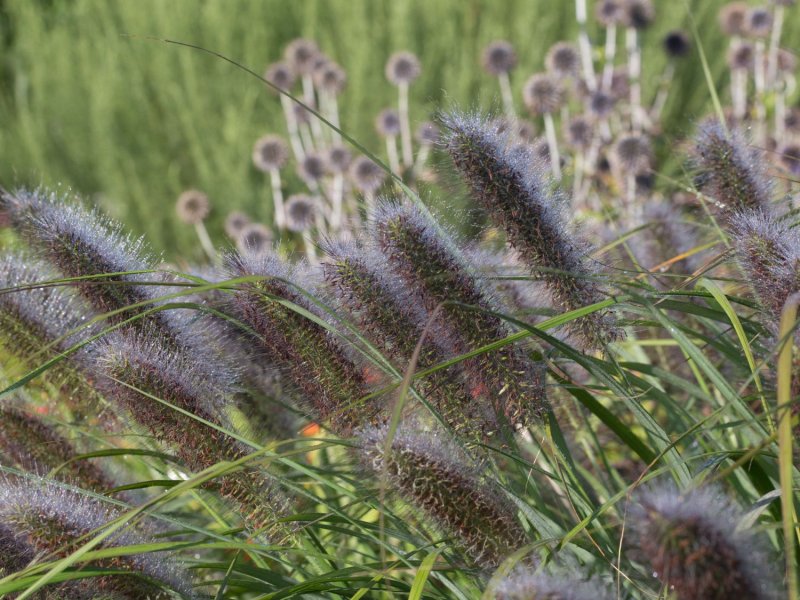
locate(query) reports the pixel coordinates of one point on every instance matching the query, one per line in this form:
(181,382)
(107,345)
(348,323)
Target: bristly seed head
(300,212)
(402,68)
(732,18)
(192,207)
(235,222)
(543,94)
(312,167)
(499,57)
(270,153)
(609,12)
(387,123)
(677,44)
(638,14)
(255,239)
(300,54)
(366,175)
(563,60)
(280,75)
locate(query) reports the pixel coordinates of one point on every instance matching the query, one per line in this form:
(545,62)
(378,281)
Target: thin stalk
(552,144)
(405,126)
(310,99)
(391,152)
(422,157)
(774,42)
(634,75)
(609,56)
(508,97)
(761,111)
(291,127)
(205,242)
(310,248)
(585,46)
(739,93)
(306,136)
(337,197)
(663,92)
(277,198)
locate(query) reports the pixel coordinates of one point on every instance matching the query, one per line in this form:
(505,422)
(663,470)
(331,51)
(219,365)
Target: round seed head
(639,14)
(498,57)
(312,167)
(563,60)
(609,12)
(402,67)
(301,114)
(790,158)
(387,123)
(300,210)
(732,17)
(366,175)
(601,105)
(427,133)
(579,132)
(620,84)
(280,75)
(300,55)
(254,239)
(633,152)
(542,94)
(677,44)
(192,207)
(741,56)
(338,159)
(235,223)
(330,78)
(270,153)
(758,23)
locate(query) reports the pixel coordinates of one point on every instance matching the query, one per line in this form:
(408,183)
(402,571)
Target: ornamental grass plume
(522,202)
(140,374)
(422,257)
(524,585)
(33,446)
(305,352)
(435,477)
(695,545)
(42,519)
(361,279)
(732,172)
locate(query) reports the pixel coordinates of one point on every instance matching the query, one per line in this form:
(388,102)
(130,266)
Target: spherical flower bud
(300,55)
(741,56)
(338,159)
(563,60)
(543,94)
(300,210)
(758,22)
(732,18)
(280,75)
(402,68)
(330,78)
(579,132)
(235,222)
(633,152)
(677,44)
(270,153)
(609,12)
(366,175)
(312,167)
(499,57)
(427,133)
(254,238)
(387,123)
(638,14)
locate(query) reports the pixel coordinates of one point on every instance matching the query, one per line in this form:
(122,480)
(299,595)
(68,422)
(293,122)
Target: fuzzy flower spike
(521,201)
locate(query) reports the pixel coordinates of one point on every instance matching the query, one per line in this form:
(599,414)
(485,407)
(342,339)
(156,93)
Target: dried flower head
(280,75)
(427,133)
(633,152)
(42,518)
(758,22)
(387,123)
(525,585)
(620,84)
(338,159)
(732,18)
(579,132)
(366,175)
(270,153)
(741,56)
(312,167)
(520,199)
(235,223)
(402,68)
(435,477)
(601,104)
(694,546)
(609,12)
(732,172)
(300,55)
(677,43)
(300,212)
(192,207)
(563,60)
(499,57)
(542,94)
(330,78)
(254,238)
(638,14)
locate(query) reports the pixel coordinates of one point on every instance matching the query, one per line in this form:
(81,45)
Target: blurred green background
(129,122)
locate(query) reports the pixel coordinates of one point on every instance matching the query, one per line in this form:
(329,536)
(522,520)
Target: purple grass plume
(42,519)
(523,585)
(694,545)
(421,256)
(523,202)
(436,478)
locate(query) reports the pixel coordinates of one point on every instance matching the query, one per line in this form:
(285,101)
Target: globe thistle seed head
(331,78)
(309,357)
(42,518)
(543,94)
(312,167)
(300,55)
(741,56)
(768,251)
(520,199)
(270,153)
(579,132)
(524,585)
(677,44)
(300,212)
(609,12)
(387,123)
(280,75)
(733,172)
(498,57)
(563,60)
(235,223)
(366,175)
(402,68)
(427,133)
(633,152)
(790,158)
(254,238)
(620,84)
(436,478)
(338,159)
(732,18)
(301,113)
(601,104)
(192,207)
(420,255)
(694,545)
(758,22)
(638,14)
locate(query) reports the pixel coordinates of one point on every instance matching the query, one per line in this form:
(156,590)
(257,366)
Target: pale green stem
(552,145)
(205,242)
(610,55)
(774,43)
(585,46)
(291,127)
(277,198)
(391,152)
(508,97)
(405,126)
